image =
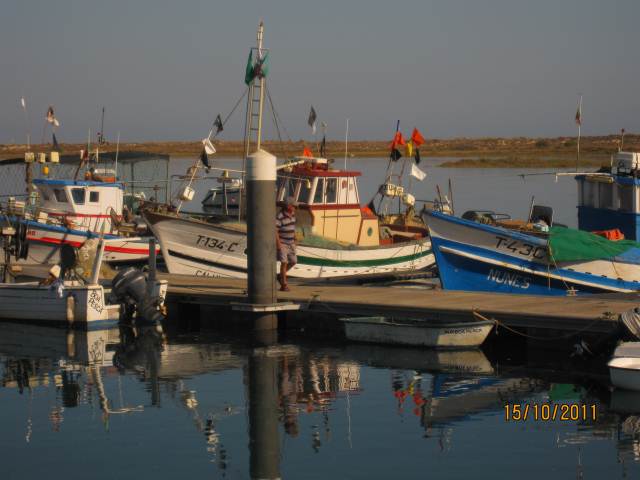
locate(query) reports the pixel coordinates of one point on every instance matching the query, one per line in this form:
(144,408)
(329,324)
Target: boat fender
(71,308)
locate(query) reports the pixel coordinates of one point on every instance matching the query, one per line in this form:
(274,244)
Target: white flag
(23,103)
(417,173)
(208,146)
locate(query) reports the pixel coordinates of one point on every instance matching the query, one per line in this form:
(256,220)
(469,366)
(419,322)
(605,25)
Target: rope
(533,337)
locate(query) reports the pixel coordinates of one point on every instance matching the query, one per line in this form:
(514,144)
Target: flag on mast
(218,124)
(417,173)
(209,149)
(51,117)
(579,112)
(56,147)
(23,103)
(417,138)
(312,119)
(204,158)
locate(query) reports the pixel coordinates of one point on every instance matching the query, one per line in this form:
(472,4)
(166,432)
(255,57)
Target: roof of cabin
(320,172)
(77,183)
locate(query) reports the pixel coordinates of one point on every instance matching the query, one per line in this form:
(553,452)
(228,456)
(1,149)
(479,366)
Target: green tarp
(569,245)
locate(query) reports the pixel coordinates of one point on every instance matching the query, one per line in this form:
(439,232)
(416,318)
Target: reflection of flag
(203,157)
(218,124)
(307,152)
(51,117)
(417,138)
(417,173)
(312,120)
(208,147)
(56,147)
(409,149)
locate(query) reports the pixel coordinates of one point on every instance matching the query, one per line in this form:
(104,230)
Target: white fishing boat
(68,211)
(415,332)
(624,367)
(336,236)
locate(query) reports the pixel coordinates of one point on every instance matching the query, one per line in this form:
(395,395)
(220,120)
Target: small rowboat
(415,332)
(624,367)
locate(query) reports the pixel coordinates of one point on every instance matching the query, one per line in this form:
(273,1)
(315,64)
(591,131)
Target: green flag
(249,75)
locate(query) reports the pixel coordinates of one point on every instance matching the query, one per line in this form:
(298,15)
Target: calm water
(114,404)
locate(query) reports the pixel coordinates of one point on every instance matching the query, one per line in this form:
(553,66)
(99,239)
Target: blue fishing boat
(484,251)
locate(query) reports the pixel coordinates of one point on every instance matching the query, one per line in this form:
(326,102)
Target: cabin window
(94,197)
(286,188)
(626,197)
(353,192)
(61,197)
(606,195)
(331,190)
(305,191)
(45,194)
(319,195)
(78,195)
(589,194)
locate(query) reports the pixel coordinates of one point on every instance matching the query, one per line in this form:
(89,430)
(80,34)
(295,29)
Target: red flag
(307,152)
(417,138)
(398,139)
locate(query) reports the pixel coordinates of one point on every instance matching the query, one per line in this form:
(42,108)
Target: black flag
(56,147)
(218,124)
(204,158)
(395,155)
(323,146)
(312,119)
(417,156)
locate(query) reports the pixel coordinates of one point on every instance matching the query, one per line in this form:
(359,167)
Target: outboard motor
(129,287)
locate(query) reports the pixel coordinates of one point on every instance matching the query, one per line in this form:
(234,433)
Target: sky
(164,69)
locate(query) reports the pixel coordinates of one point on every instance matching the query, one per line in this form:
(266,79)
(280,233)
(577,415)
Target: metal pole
(261,235)
(151,279)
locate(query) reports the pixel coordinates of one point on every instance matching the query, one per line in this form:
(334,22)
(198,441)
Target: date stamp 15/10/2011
(550,412)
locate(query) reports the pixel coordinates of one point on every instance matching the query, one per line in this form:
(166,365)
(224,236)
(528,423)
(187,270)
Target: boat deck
(592,314)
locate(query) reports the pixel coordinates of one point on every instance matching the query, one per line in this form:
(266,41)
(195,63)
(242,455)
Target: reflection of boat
(624,367)
(416,332)
(464,361)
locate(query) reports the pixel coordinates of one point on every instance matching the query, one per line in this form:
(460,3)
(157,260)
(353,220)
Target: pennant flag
(323,146)
(203,158)
(396,155)
(579,113)
(218,124)
(23,103)
(417,156)
(417,173)
(312,120)
(208,147)
(307,152)
(56,147)
(248,74)
(51,118)
(409,148)
(261,69)
(398,139)
(417,138)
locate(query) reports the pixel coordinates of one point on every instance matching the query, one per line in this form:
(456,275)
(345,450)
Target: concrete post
(261,235)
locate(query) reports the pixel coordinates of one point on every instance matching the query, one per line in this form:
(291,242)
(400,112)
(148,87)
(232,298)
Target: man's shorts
(287,254)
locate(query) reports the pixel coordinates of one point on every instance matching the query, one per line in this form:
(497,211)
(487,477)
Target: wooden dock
(588,314)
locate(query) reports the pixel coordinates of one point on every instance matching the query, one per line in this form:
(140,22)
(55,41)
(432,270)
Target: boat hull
(45,241)
(192,247)
(416,333)
(625,373)
(478,257)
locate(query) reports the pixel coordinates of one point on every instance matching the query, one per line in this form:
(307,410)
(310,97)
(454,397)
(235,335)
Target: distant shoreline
(518,152)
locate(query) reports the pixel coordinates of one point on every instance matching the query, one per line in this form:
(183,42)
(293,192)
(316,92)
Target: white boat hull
(191,247)
(416,333)
(625,373)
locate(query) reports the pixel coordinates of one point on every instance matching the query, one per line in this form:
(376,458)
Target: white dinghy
(624,367)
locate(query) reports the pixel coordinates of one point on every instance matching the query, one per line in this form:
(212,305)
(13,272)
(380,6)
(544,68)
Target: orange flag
(307,152)
(417,138)
(398,139)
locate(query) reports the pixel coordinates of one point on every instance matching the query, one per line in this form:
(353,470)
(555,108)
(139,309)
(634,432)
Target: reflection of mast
(104,400)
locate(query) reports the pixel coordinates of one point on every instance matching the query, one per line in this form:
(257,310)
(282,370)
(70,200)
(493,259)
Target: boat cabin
(328,202)
(610,201)
(81,204)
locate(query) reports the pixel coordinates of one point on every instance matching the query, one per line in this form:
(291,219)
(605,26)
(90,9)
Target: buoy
(45,171)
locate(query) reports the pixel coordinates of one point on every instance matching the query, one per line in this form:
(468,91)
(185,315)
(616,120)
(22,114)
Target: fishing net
(569,245)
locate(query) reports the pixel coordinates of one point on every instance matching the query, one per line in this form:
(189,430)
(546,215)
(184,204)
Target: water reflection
(313,407)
